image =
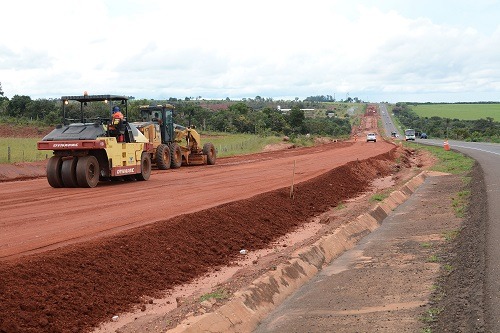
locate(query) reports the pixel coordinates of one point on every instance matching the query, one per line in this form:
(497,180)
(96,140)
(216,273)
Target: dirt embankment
(21,131)
(75,288)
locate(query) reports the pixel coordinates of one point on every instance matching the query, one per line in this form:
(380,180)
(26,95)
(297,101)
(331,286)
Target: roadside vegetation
(457,164)
(462,111)
(478,129)
(261,116)
(14,150)
(447,161)
(228,144)
(234,127)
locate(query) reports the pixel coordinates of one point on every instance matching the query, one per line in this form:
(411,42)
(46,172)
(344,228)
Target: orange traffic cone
(446,145)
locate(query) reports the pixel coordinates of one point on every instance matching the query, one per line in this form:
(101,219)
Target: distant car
(393,134)
(371,137)
(423,136)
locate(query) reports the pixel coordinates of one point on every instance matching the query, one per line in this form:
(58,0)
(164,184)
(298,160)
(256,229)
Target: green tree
(4,101)
(296,119)
(39,108)
(18,106)
(274,120)
(240,108)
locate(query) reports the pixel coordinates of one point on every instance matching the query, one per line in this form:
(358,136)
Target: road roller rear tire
(87,171)
(68,172)
(54,171)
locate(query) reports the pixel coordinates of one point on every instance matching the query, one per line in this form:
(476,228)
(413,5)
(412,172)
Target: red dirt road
(75,288)
(36,217)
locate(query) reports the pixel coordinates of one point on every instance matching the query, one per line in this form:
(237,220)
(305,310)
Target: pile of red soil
(22,131)
(75,288)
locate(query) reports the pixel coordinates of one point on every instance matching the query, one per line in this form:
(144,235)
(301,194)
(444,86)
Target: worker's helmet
(116,109)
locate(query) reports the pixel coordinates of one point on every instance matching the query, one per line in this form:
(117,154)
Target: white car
(371,137)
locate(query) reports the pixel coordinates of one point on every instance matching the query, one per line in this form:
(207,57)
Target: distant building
(288,110)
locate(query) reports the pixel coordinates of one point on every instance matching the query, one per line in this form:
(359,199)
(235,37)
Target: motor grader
(89,149)
(173,145)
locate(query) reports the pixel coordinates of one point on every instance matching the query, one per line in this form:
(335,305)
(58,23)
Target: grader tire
(145,167)
(54,172)
(163,158)
(87,171)
(209,150)
(176,156)
(68,172)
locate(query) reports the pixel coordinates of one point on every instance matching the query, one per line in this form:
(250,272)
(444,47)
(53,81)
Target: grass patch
(433,258)
(459,203)
(340,206)
(426,245)
(218,294)
(237,144)
(459,111)
(431,314)
(25,149)
(451,235)
(466,180)
(378,197)
(448,161)
(21,150)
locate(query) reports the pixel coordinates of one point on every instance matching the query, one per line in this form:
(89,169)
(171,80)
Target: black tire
(87,171)
(163,157)
(54,171)
(68,172)
(145,167)
(209,150)
(175,156)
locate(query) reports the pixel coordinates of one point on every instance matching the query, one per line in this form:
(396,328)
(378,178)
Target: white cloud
(382,50)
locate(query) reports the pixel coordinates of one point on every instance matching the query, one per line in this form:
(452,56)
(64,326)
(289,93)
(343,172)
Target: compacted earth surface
(149,273)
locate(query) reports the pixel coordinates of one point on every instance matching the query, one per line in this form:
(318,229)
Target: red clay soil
(37,217)
(21,131)
(78,286)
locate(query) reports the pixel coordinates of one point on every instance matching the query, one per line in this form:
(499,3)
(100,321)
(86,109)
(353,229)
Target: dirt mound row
(75,288)
(23,131)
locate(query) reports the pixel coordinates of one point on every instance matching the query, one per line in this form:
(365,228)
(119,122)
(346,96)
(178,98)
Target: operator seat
(116,128)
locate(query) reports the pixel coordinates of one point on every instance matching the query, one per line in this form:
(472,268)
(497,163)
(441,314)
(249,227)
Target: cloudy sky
(379,50)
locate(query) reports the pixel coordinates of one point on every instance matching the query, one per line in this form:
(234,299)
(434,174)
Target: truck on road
(409,134)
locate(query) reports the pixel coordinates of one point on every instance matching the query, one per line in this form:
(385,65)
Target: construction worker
(116,124)
(116,113)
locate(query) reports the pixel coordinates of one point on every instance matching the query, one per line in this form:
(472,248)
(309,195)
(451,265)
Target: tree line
(235,117)
(438,127)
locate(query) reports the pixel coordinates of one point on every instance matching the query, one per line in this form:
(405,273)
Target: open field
(14,150)
(236,144)
(23,147)
(459,111)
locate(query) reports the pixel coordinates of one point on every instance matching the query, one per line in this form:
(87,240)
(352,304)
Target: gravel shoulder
(385,282)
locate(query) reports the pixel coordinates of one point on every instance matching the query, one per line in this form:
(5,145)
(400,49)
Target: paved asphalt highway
(387,122)
(488,156)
